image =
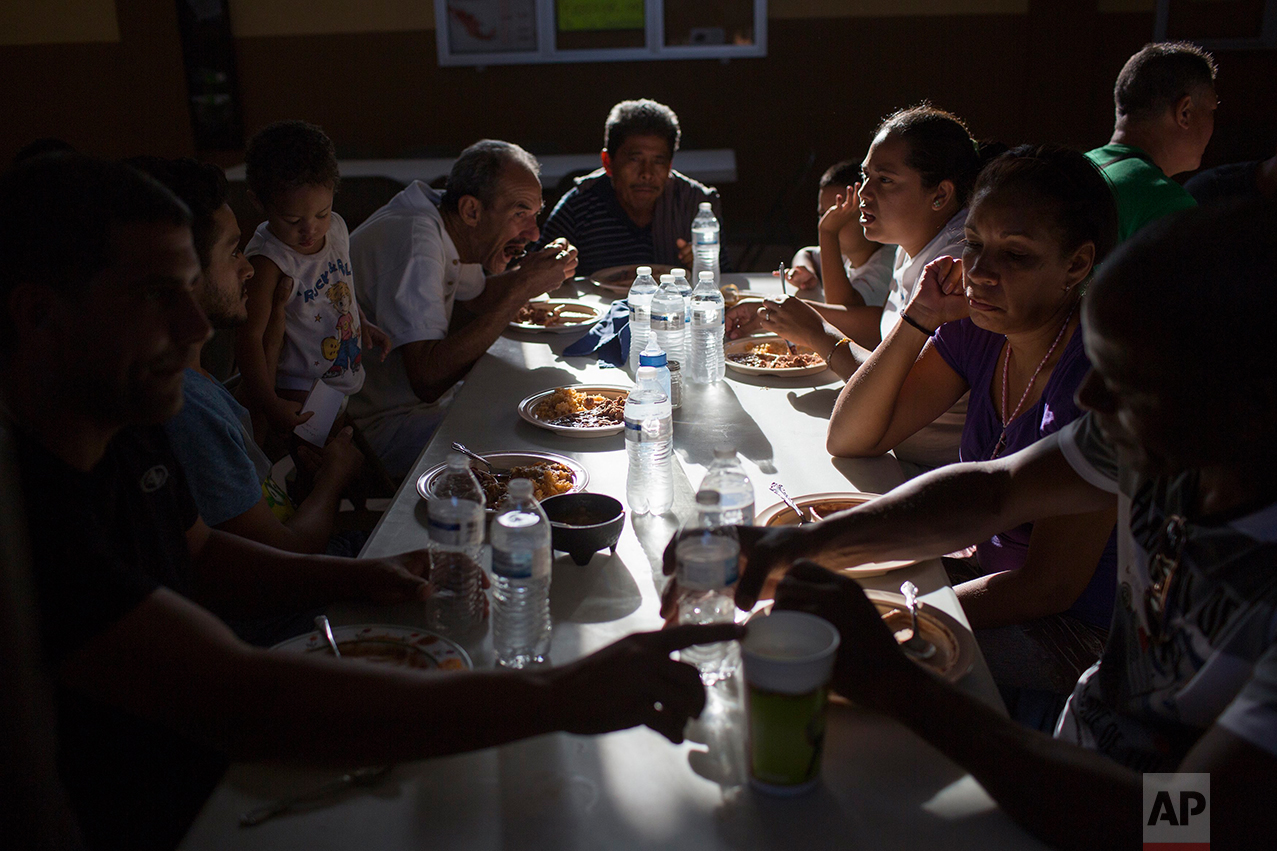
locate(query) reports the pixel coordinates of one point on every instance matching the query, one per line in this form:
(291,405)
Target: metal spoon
(461,447)
(916,646)
(779,489)
(362,777)
(326,630)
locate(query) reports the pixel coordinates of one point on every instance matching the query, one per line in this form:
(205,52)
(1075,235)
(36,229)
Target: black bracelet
(916,324)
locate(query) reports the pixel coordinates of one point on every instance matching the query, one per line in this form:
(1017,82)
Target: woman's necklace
(1006,364)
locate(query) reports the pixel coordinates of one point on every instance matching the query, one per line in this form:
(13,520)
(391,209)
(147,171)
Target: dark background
(1042,76)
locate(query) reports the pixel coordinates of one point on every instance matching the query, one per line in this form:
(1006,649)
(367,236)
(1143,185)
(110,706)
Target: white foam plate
(528,405)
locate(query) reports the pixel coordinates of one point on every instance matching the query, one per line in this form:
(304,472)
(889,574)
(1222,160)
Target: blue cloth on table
(608,339)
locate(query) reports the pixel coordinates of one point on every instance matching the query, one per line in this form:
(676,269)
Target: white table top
(882,786)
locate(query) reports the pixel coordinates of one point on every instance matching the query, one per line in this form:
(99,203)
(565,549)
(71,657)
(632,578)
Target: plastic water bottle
(640,300)
(708,563)
(684,288)
(520,579)
(649,443)
(705,242)
(705,362)
(669,314)
(454,521)
(653,356)
(727,478)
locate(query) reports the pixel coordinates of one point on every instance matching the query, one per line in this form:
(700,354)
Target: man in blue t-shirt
(212,437)
(1165,103)
(1179,437)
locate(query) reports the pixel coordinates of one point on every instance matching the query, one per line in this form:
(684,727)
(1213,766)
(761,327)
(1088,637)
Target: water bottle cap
(706,276)
(725,452)
(520,488)
(643,270)
(457,461)
(653,359)
(667,279)
(646,373)
(679,273)
(707,206)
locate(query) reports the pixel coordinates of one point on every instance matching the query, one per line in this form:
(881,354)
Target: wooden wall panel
(1042,76)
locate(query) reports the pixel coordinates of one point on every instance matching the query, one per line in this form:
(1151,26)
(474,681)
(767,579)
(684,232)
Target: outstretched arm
(172,662)
(934,514)
(1066,795)
(242,578)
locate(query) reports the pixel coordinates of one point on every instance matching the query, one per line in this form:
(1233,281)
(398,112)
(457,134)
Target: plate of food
(817,506)
(400,646)
(556,316)
(954,643)
(587,411)
(618,279)
(768,355)
(551,475)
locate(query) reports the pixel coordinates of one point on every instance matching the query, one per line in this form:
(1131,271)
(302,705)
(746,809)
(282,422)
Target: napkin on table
(608,339)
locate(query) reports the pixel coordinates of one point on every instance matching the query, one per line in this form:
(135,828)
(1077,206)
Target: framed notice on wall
(504,32)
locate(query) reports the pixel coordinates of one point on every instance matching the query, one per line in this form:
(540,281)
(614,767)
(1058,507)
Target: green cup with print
(788,659)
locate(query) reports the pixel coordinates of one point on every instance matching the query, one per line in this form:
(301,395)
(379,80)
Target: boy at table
(853,270)
(154,692)
(1181,438)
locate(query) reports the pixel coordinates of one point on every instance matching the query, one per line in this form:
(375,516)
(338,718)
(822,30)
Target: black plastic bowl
(581,524)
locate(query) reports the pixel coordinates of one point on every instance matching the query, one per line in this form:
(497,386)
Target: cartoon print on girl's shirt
(343,349)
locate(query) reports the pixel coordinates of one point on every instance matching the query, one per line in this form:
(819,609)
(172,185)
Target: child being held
(303,322)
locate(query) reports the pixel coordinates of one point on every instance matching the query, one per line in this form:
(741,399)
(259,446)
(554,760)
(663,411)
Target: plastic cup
(788,658)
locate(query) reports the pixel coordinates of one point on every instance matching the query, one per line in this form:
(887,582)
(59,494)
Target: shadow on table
(712,416)
(600,591)
(818,403)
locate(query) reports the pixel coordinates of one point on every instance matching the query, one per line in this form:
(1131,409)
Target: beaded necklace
(1006,364)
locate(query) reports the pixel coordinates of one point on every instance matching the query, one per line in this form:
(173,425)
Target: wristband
(916,324)
(845,341)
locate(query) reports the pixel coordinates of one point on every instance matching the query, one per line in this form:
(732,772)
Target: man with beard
(443,275)
(228,474)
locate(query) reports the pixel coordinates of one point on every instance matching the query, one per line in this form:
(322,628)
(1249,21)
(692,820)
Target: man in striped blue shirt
(636,208)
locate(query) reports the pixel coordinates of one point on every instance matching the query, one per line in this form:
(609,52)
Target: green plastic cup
(788,659)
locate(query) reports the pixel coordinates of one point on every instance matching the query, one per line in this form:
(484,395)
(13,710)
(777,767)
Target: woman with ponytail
(913,193)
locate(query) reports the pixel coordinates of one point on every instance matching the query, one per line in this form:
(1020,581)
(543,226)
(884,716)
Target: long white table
(883,787)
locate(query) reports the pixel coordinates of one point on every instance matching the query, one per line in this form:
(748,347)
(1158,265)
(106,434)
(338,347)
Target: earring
(936,205)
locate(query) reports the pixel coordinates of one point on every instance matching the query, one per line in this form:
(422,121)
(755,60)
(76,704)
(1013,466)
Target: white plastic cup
(789,659)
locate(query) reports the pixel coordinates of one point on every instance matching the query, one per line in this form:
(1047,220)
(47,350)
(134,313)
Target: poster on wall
(492,26)
(585,15)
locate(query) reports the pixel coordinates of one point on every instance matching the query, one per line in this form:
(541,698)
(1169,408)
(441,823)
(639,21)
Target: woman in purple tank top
(1003,322)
